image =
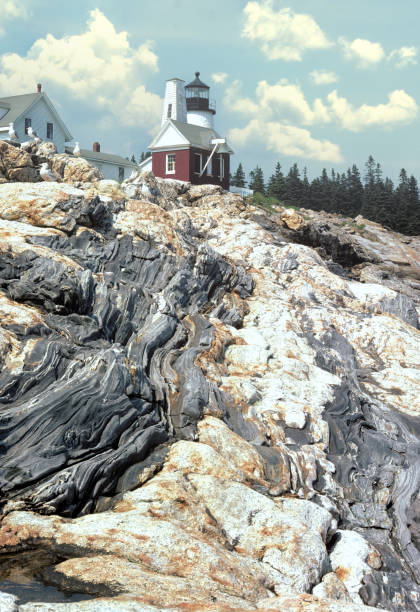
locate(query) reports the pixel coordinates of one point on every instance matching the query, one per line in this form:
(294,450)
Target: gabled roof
(18,105)
(190,135)
(109,158)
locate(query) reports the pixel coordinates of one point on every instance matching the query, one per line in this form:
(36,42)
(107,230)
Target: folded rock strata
(201,405)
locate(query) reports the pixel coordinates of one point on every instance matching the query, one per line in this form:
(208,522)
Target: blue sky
(319,82)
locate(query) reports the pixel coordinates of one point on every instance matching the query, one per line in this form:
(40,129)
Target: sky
(323,83)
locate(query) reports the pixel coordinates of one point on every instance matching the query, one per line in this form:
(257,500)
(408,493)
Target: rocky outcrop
(16,164)
(72,169)
(21,163)
(201,405)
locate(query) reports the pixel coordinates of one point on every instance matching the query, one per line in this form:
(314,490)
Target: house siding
(40,115)
(210,179)
(184,167)
(182,164)
(111,171)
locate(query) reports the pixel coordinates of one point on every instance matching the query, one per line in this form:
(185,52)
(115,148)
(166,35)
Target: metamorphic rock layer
(203,405)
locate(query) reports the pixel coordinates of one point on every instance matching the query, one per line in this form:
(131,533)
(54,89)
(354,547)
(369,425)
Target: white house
(33,110)
(112,166)
(37,111)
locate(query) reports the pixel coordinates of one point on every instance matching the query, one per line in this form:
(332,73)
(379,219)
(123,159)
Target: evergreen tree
(144,156)
(305,194)
(355,192)
(276,184)
(133,159)
(370,194)
(256,182)
(385,213)
(293,192)
(315,194)
(414,207)
(402,196)
(238,179)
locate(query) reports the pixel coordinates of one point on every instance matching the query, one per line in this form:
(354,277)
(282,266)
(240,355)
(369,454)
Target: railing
(201,104)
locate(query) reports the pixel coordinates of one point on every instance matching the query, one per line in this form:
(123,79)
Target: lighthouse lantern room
(200,109)
(187,147)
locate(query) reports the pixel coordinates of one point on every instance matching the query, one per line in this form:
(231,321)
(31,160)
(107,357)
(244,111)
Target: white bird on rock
(12,133)
(76,150)
(47,174)
(33,135)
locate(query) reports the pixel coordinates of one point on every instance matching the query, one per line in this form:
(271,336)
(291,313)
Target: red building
(187,147)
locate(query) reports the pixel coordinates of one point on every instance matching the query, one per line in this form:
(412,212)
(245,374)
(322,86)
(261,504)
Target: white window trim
(167,163)
(222,167)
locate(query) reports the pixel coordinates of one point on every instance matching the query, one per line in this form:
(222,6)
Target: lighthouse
(187,147)
(200,109)
(174,105)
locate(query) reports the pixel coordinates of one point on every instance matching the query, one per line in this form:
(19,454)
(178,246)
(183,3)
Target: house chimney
(39,87)
(96,147)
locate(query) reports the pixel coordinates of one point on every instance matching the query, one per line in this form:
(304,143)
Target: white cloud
(282,100)
(367,54)
(401,108)
(219,77)
(404,56)
(272,118)
(287,100)
(323,77)
(282,34)
(98,66)
(285,103)
(285,140)
(12,9)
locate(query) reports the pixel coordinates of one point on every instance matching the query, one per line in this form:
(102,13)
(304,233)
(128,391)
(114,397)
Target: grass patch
(352,224)
(268,203)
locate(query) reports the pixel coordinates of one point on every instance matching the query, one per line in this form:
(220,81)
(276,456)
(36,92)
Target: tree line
(373,196)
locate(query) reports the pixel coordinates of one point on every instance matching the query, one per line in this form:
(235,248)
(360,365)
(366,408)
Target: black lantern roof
(197,82)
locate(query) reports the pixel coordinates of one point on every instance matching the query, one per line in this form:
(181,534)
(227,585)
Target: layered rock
(22,162)
(198,410)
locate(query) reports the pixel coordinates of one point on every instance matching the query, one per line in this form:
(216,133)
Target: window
(197,163)
(120,173)
(170,163)
(28,124)
(50,131)
(169,115)
(209,166)
(222,167)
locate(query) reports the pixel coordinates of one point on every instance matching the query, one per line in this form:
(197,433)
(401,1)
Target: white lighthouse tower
(174,105)
(200,109)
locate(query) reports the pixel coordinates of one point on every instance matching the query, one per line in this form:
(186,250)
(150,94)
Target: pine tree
(276,184)
(413,207)
(402,195)
(238,179)
(133,159)
(305,194)
(370,194)
(355,192)
(293,192)
(256,182)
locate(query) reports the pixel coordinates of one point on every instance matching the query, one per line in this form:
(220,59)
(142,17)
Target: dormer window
(50,131)
(28,124)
